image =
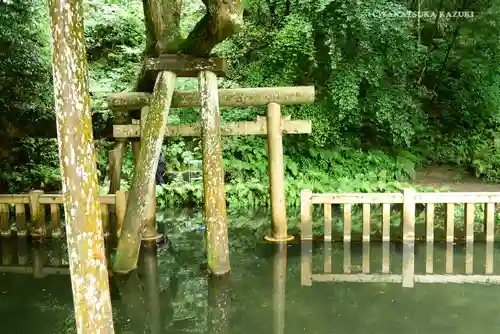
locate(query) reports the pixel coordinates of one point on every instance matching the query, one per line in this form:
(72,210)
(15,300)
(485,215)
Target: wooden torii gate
(209,98)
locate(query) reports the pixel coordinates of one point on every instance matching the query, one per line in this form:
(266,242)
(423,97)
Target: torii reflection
(148,309)
(279,288)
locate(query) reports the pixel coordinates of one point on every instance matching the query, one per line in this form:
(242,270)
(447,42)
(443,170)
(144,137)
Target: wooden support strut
(213,177)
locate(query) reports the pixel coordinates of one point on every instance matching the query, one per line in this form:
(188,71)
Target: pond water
(171,293)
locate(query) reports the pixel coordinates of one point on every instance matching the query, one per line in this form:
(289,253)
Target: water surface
(171,293)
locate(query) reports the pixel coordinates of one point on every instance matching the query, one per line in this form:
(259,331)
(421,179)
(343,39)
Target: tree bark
(127,252)
(162,21)
(87,259)
(223,18)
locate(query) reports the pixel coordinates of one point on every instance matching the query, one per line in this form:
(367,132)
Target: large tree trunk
(223,18)
(87,259)
(162,17)
(162,20)
(127,252)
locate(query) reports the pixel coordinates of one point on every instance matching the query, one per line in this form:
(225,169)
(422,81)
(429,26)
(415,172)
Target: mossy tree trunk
(162,21)
(87,259)
(223,18)
(127,252)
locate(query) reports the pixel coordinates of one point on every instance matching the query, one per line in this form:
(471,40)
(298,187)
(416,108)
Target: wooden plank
(229,129)
(327,211)
(186,65)
(233,98)
(357,198)
(59,199)
(459,279)
(357,278)
(14,199)
(458,197)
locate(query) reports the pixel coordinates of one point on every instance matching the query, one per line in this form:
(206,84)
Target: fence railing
(408,200)
(41,215)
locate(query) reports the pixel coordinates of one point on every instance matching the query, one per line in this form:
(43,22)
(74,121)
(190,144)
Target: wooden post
(87,259)
(37,214)
(306,214)
(276,175)
(115,156)
(213,177)
(21,220)
(4,220)
(149,232)
(105,219)
(55,221)
(121,208)
(127,253)
(408,237)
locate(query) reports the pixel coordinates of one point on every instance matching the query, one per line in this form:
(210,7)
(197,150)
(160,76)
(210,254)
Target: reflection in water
(7,251)
(219,304)
(279,287)
(131,293)
(149,268)
(406,263)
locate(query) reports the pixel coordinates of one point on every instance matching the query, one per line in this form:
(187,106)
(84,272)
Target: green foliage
(392,93)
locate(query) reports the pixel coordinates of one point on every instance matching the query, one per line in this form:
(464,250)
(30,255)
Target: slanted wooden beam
(237,97)
(186,65)
(258,127)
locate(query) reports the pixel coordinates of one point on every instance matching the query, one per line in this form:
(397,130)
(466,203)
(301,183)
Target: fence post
(4,220)
(306,214)
(37,212)
(121,208)
(21,220)
(408,237)
(55,220)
